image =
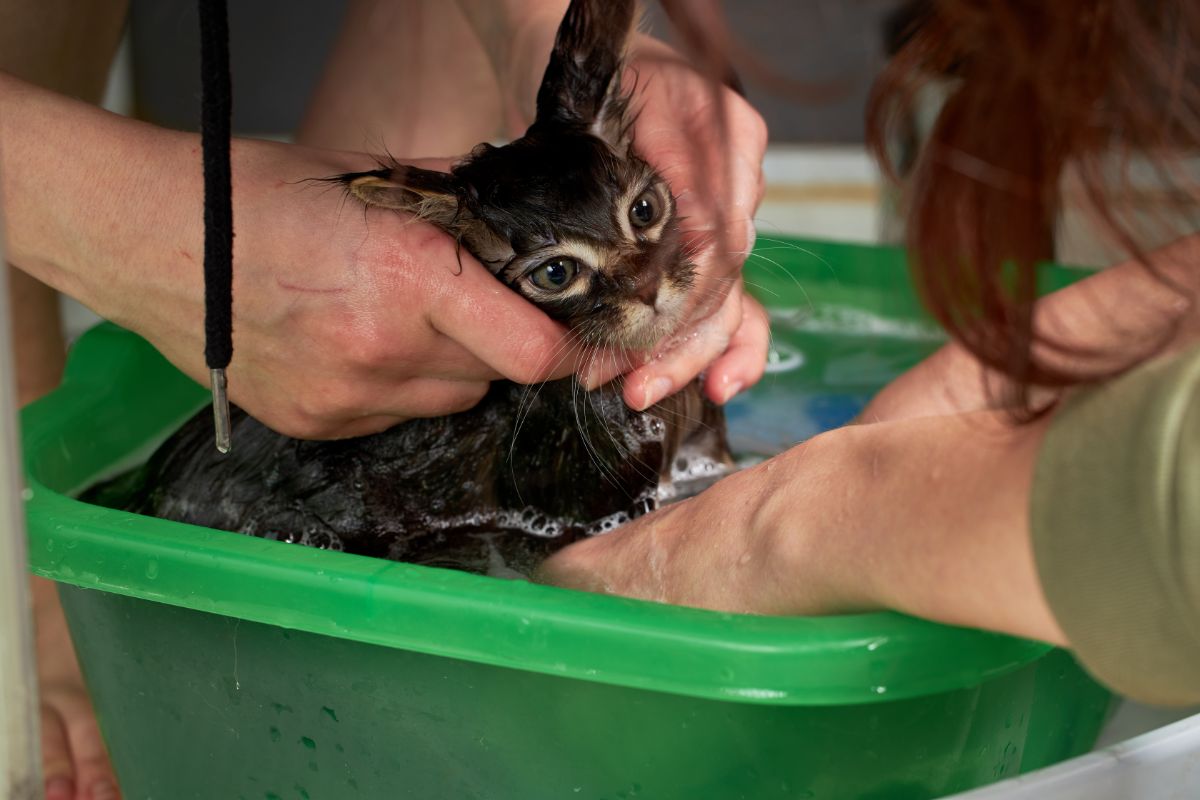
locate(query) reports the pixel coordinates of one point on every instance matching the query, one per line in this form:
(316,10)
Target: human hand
(1101,325)
(708,143)
(347,322)
(75,763)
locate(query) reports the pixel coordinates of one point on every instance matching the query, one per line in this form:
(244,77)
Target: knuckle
(315,415)
(527,362)
(367,349)
(756,127)
(460,396)
(303,428)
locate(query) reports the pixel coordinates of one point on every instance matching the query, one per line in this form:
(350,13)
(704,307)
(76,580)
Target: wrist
(84,190)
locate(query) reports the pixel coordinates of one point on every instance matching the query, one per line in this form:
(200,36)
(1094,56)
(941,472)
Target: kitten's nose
(648,293)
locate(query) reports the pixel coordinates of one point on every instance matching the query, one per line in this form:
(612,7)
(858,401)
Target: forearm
(88,195)
(410,79)
(930,518)
(517,36)
(1107,321)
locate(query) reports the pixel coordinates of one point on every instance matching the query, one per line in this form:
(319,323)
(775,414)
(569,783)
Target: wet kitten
(571,218)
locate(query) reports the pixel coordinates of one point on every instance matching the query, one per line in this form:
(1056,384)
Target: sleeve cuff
(1115,521)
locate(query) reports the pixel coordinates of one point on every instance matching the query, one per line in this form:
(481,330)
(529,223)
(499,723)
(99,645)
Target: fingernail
(730,390)
(104,790)
(60,788)
(655,390)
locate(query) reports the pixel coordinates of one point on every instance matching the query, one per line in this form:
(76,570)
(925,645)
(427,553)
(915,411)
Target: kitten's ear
(430,195)
(582,82)
(434,197)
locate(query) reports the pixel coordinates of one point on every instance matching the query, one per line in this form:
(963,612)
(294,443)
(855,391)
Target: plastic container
(1160,765)
(224,666)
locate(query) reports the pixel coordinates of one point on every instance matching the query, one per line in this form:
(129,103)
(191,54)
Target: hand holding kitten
(708,143)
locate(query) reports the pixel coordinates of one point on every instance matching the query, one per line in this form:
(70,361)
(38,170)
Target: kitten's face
(585,232)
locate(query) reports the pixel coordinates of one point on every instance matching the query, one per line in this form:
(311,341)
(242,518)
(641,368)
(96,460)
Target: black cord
(216,111)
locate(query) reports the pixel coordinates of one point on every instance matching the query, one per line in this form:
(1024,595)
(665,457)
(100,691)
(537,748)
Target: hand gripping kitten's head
(567,215)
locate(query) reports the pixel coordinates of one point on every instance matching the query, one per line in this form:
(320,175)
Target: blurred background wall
(278,47)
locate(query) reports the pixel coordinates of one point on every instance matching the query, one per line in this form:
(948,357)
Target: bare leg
(66,46)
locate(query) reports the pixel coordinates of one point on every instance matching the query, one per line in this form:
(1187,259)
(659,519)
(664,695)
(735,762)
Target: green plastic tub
(226,667)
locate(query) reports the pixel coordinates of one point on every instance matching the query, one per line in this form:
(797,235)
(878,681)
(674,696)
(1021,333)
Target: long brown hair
(1036,88)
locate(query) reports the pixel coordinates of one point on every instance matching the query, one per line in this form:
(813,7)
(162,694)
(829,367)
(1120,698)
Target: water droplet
(879,689)
(27,494)
(152,569)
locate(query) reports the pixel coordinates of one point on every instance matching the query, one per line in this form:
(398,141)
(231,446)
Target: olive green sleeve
(1115,520)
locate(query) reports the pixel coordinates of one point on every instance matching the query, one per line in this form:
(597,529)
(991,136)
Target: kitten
(574,220)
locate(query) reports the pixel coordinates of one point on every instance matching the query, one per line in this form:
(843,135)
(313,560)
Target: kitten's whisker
(762,288)
(521,405)
(770,262)
(638,465)
(593,454)
(606,471)
(786,245)
(525,407)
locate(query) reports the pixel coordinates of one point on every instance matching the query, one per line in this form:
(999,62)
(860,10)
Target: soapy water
(512,543)
(851,321)
(822,369)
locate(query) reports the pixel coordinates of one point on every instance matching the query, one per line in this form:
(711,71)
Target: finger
(366,408)
(602,366)
(57,768)
(687,357)
(424,397)
(94,776)
(503,329)
(419,398)
(742,365)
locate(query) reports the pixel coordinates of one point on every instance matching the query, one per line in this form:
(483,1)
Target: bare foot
(74,759)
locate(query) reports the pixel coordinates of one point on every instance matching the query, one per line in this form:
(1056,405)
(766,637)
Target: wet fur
(553,458)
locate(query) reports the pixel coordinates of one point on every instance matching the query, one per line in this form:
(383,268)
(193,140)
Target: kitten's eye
(644,210)
(555,274)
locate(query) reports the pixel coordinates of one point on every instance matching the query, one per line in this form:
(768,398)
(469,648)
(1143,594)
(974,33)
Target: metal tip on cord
(220,409)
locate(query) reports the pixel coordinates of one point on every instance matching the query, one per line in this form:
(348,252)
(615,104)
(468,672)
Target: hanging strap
(216,110)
